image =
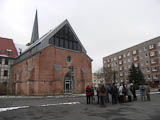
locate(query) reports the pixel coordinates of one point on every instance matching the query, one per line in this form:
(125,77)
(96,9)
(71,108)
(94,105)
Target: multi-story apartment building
(7,54)
(97,79)
(145,55)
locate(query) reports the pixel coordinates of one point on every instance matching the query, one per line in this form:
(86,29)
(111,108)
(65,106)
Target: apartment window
(134,52)
(115,64)
(136,64)
(115,58)
(112,65)
(159,43)
(152,53)
(125,67)
(120,57)
(135,58)
(5,73)
(108,60)
(104,61)
(145,48)
(111,59)
(142,70)
(155,76)
(151,46)
(6,61)
(154,69)
(142,64)
(121,74)
(126,74)
(148,76)
(124,61)
(120,62)
(140,50)
(124,55)
(120,68)
(128,54)
(109,65)
(129,66)
(147,69)
(129,60)
(159,51)
(153,61)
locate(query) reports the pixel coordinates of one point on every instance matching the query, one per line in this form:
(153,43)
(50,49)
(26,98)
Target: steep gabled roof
(52,32)
(7,45)
(43,42)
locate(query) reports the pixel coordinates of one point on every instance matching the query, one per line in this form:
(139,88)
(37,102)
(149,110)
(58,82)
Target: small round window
(69,58)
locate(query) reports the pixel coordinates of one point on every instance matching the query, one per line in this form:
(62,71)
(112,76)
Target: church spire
(35,33)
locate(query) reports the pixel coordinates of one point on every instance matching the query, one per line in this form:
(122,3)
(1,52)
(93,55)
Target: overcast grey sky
(103,26)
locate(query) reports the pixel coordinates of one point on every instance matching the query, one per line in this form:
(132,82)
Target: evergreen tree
(140,76)
(136,75)
(132,74)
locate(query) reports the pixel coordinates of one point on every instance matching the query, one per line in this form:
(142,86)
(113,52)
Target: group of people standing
(120,93)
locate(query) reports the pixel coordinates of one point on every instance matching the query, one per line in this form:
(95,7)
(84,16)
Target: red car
(158,89)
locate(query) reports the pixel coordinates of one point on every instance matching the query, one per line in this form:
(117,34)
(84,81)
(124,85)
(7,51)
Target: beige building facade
(96,80)
(145,55)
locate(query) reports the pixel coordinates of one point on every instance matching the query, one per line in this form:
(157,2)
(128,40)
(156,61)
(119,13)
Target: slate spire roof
(35,33)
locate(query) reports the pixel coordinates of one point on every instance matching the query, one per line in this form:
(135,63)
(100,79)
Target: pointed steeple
(35,33)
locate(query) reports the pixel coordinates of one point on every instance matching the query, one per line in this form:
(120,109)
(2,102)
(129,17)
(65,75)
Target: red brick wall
(44,79)
(3,88)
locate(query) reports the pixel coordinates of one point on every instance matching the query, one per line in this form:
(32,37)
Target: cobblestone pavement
(75,108)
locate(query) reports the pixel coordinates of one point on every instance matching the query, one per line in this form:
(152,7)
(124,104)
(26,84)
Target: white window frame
(155,76)
(111,59)
(129,66)
(145,48)
(153,61)
(142,64)
(151,46)
(120,62)
(129,60)
(119,57)
(120,68)
(115,58)
(147,70)
(134,52)
(121,74)
(136,64)
(154,69)
(135,58)
(124,55)
(140,50)
(128,54)
(152,53)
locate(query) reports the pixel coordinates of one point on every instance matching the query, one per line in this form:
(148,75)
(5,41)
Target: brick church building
(56,63)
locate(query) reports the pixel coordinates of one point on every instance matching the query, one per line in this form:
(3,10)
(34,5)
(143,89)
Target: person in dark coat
(88,94)
(107,92)
(92,94)
(133,90)
(114,93)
